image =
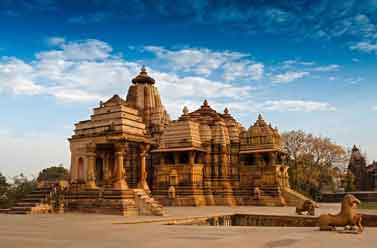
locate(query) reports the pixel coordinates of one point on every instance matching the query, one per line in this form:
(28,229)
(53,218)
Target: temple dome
(143,78)
(263,132)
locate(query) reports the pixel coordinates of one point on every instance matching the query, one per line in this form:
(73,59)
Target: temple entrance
(99,171)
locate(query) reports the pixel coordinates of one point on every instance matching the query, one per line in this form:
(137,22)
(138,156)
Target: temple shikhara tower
(365,175)
(131,158)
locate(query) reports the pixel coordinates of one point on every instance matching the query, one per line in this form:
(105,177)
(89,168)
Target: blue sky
(303,64)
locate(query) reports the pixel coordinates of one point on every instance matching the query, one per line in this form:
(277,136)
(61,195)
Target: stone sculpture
(307,207)
(346,217)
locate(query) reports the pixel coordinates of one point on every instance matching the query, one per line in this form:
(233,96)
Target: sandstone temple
(131,158)
(365,175)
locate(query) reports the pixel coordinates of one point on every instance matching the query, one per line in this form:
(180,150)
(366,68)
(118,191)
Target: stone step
(25,204)
(18,212)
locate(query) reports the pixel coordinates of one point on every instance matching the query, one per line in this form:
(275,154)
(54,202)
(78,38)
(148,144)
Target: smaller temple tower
(365,176)
(357,166)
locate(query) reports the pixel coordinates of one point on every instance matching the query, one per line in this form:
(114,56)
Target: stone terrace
(89,230)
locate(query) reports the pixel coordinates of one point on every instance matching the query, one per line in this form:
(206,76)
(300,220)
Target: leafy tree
(349,183)
(312,160)
(19,189)
(53,173)
(3,191)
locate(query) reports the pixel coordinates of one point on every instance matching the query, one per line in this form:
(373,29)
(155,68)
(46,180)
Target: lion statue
(307,207)
(346,218)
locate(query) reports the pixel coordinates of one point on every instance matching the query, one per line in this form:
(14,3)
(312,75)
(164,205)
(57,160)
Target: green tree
(53,173)
(20,187)
(312,160)
(3,191)
(349,182)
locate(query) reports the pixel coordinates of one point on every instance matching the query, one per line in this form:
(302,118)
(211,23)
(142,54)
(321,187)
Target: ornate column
(258,158)
(143,170)
(176,158)
(273,158)
(224,161)
(107,170)
(73,175)
(191,157)
(91,161)
(207,158)
(162,159)
(119,173)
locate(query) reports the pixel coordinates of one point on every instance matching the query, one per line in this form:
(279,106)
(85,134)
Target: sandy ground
(91,230)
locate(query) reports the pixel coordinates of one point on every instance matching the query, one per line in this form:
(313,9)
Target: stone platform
(364,196)
(93,230)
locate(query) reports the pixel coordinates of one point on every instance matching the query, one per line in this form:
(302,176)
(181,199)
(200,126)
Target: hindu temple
(129,158)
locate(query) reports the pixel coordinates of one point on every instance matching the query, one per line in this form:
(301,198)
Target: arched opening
(80,170)
(99,171)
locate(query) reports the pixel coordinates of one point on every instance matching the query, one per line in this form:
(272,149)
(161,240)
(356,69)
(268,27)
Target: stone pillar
(258,158)
(73,175)
(143,170)
(176,158)
(162,159)
(207,158)
(224,161)
(119,171)
(191,157)
(91,162)
(273,158)
(106,169)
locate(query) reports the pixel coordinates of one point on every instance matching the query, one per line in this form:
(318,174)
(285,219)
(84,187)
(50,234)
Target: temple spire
(185,110)
(226,111)
(143,70)
(143,77)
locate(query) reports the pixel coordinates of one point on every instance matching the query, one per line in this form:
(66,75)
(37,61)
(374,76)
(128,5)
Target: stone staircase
(146,204)
(272,196)
(293,198)
(127,202)
(38,201)
(269,196)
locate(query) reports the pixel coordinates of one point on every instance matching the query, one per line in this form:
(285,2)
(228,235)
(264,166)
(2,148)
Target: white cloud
(80,71)
(88,71)
(237,70)
(374,108)
(365,47)
(297,62)
(15,76)
(204,62)
(296,105)
(56,41)
(199,61)
(89,50)
(354,81)
(288,76)
(327,68)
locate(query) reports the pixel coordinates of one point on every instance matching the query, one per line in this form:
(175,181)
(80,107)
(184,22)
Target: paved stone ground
(90,230)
